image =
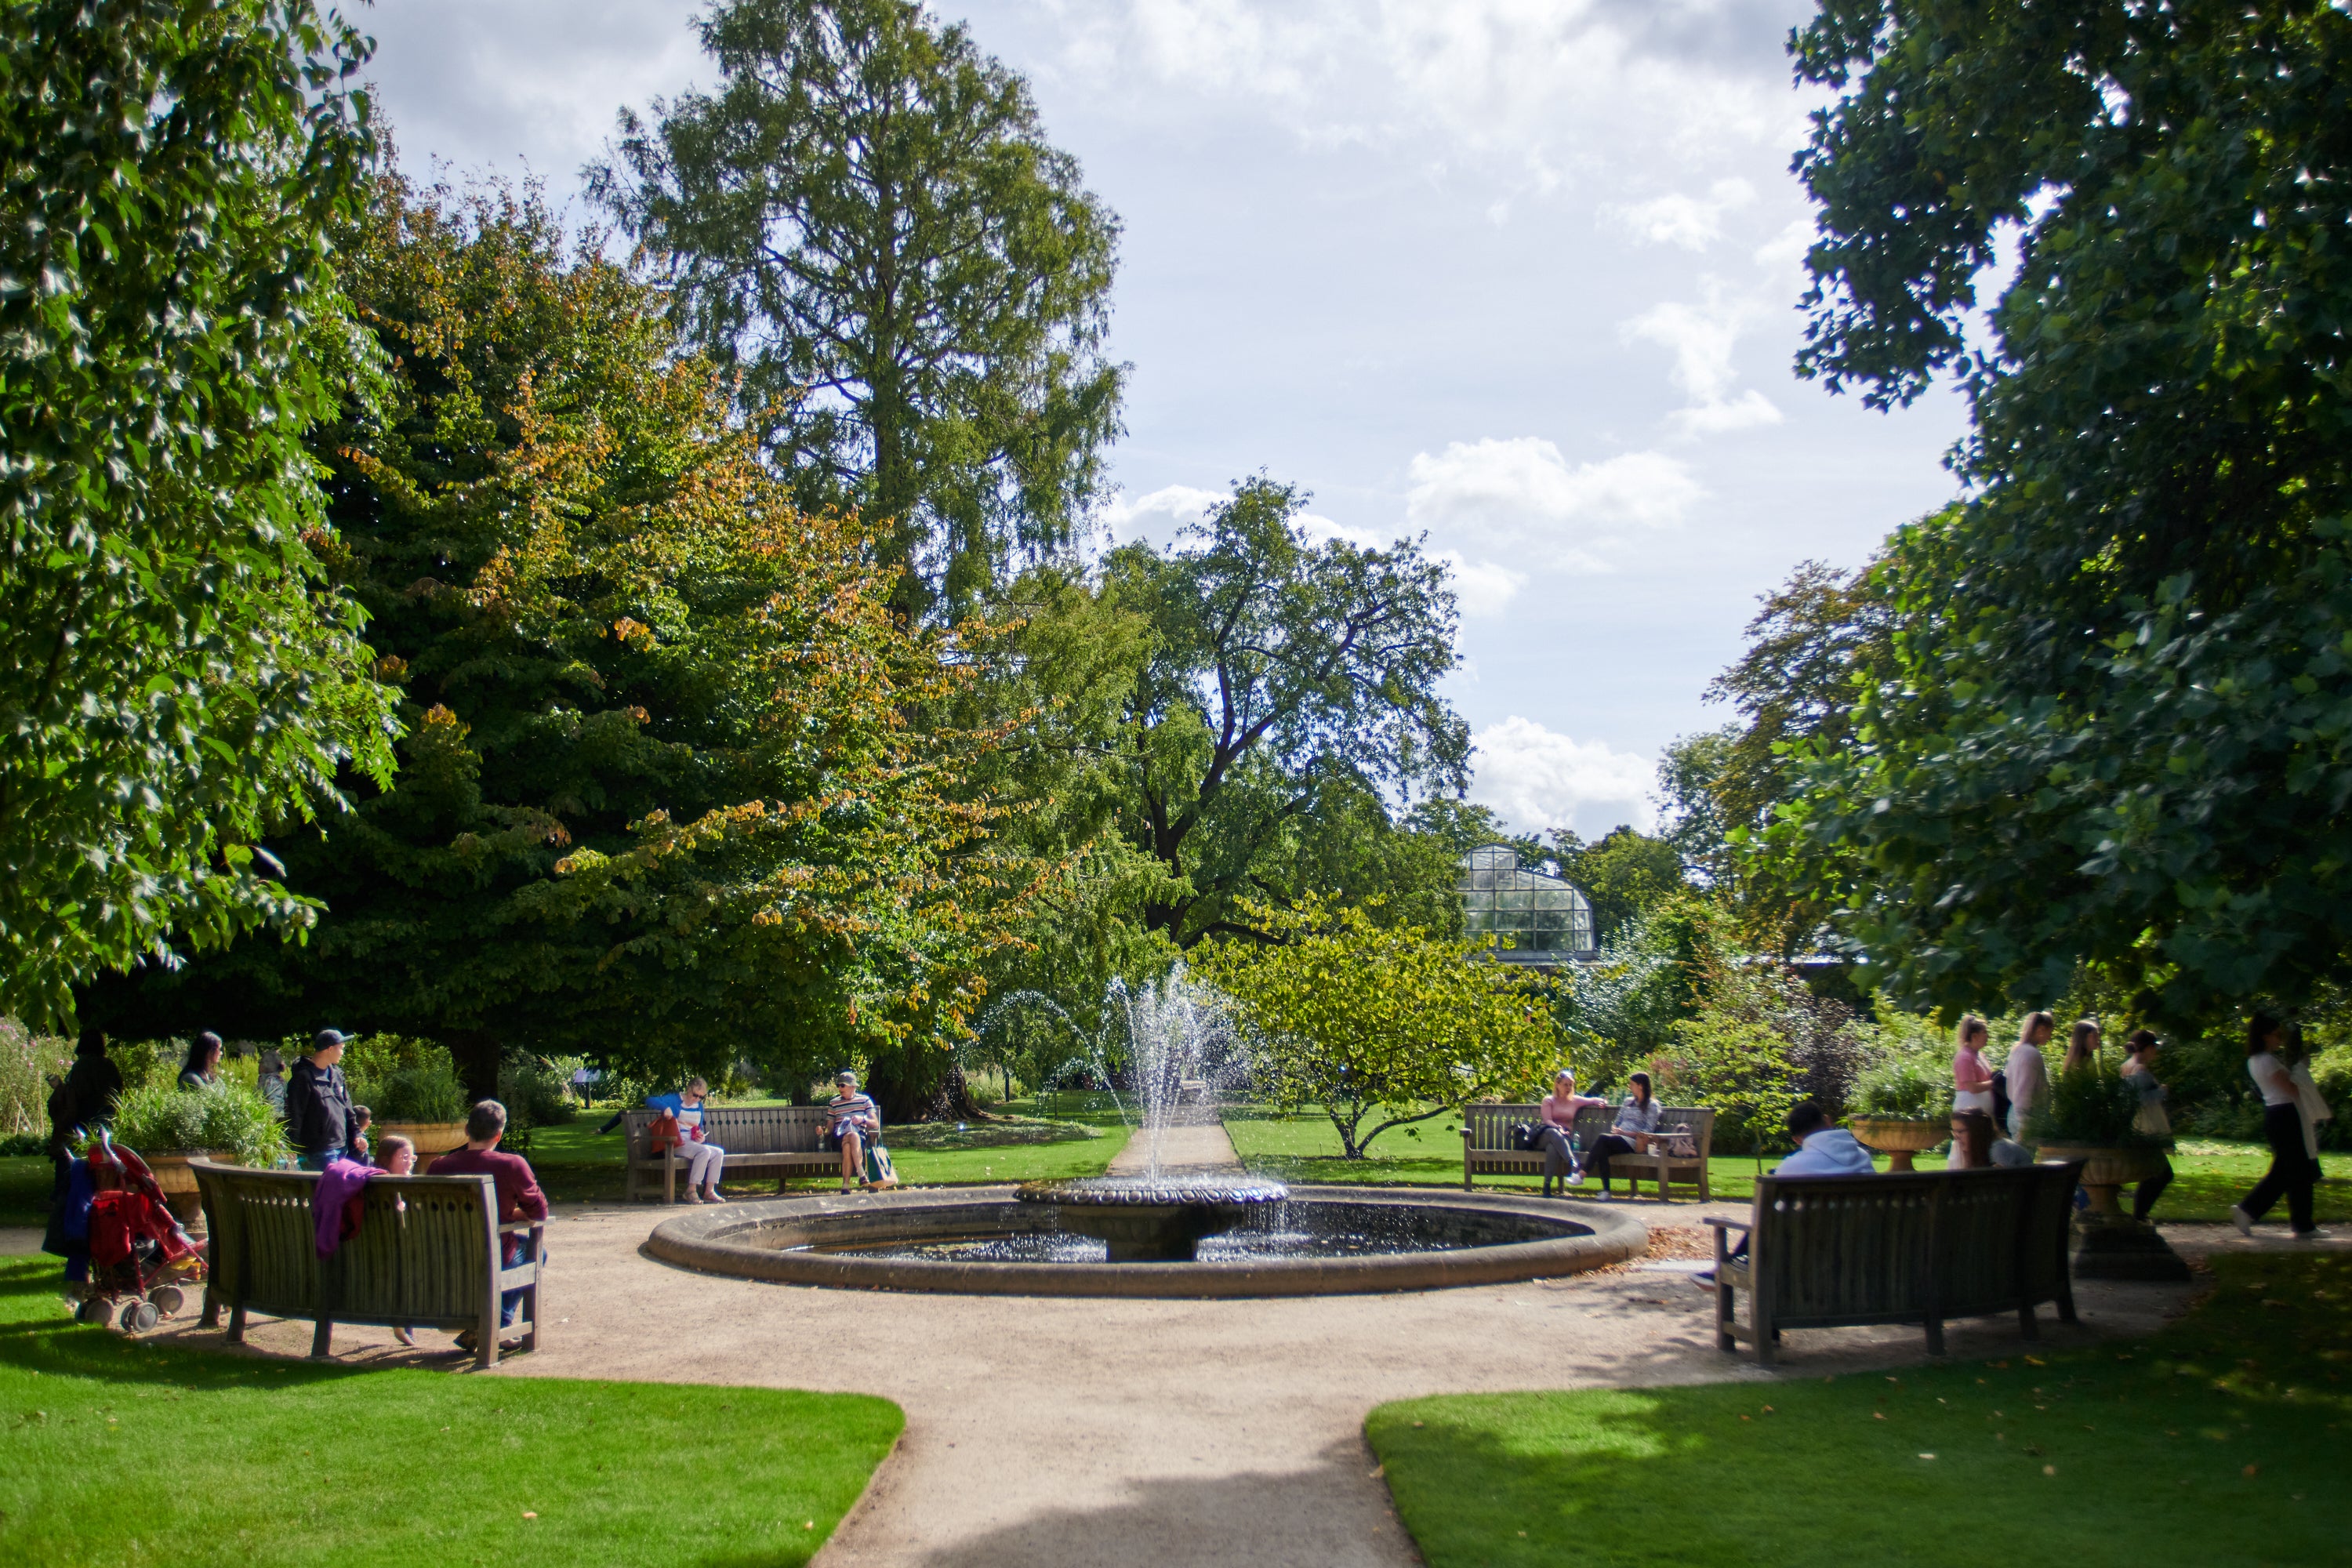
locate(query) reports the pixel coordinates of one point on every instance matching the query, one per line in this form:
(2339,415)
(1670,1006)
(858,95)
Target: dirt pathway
(1045,1433)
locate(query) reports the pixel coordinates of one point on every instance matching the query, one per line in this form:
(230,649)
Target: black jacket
(318,1108)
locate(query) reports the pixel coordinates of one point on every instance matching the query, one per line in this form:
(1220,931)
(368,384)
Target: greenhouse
(1539,919)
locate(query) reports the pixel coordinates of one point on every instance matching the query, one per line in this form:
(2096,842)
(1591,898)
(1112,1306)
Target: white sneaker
(2242,1220)
(2314,1233)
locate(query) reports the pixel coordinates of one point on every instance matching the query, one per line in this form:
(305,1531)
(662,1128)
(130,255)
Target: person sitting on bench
(1821,1150)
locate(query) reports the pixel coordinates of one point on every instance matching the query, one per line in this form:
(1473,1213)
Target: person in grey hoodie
(1821,1150)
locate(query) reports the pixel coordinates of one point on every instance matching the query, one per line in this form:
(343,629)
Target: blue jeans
(322,1160)
(509,1257)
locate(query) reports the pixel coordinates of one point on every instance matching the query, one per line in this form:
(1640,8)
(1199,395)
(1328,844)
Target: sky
(1518,277)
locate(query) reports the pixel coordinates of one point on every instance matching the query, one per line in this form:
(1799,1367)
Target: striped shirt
(858,1108)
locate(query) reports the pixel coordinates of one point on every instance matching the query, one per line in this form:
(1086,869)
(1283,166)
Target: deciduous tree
(178,672)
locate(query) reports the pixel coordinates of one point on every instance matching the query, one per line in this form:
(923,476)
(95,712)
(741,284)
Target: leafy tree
(1286,679)
(1742,1068)
(1621,1011)
(178,672)
(1379,1023)
(867,220)
(1694,821)
(660,799)
(1625,873)
(2113,727)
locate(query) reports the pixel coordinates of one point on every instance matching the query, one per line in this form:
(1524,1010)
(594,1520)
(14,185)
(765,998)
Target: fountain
(1175,1214)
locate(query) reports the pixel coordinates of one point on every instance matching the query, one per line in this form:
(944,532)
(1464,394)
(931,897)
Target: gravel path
(1042,1433)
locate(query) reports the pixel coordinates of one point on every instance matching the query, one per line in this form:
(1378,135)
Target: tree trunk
(916,1083)
(475,1053)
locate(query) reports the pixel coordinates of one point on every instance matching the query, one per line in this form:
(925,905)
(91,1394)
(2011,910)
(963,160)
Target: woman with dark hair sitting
(201,1069)
(1637,1123)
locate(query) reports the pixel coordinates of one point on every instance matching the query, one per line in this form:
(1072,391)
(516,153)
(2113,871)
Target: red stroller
(137,1251)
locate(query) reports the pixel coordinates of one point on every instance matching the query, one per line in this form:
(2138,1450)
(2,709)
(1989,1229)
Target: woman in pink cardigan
(1972,1129)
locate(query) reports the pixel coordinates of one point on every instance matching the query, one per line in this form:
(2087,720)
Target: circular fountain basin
(1152,1219)
(987,1241)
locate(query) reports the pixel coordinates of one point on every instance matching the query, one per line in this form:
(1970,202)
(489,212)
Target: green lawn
(2221,1441)
(2207,1176)
(119,1452)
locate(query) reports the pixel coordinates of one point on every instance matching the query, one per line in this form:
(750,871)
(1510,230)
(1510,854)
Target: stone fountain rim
(1152,1192)
(707,1240)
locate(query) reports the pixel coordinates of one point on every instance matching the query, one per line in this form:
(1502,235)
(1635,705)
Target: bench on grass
(1907,1248)
(427,1256)
(788,1139)
(1486,1144)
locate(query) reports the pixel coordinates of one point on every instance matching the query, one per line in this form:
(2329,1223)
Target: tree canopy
(1287,680)
(867,220)
(660,800)
(179,673)
(2113,726)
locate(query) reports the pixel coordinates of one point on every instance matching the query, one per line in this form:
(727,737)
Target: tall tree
(660,800)
(2115,728)
(867,220)
(177,672)
(1284,675)
(1625,873)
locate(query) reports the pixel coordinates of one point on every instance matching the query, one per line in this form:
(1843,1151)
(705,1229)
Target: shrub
(1912,1085)
(164,1118)
(2087,1108)
(26,1062)
(534,1094)
(399,1079)
(1745,1072)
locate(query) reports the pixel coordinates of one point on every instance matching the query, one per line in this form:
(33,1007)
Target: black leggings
(2292,1172)
(2150,1189)
(1605,1148)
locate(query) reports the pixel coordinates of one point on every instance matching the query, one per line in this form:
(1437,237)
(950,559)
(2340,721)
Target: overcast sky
(1520,275)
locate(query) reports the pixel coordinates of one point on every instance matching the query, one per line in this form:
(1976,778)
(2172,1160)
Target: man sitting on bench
(1821,1150)
(518,1194)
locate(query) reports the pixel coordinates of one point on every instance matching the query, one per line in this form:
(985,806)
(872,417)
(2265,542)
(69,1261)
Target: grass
(116,1452)
(2207,1176)
(2221,1441)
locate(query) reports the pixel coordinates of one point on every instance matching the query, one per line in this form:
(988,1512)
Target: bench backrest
(1490,1123)
(742,1129)
(424,1251)
(1960,1242)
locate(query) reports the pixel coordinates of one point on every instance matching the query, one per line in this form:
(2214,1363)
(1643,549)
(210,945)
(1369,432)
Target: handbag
(663,1135)
(879,1172)
(1676,1144)
(1523,1137)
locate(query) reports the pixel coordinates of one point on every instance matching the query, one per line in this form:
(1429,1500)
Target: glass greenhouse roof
(1543,917)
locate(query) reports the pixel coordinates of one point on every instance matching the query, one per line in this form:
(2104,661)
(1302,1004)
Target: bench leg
(211,1319)
(2067,1301)
(2026,1324)
(237,1323)
(1935,1336)
(1767,1342)
(322,1339)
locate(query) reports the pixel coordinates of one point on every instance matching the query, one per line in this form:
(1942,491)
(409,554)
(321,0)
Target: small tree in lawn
(1742,1068)
(1387,1024)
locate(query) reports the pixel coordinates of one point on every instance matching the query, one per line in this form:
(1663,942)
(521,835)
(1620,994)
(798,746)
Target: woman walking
(2150,1120)
(1637,1120)
(2027,1072)
(1972,1130)
(2082,1045)
(2293,1170)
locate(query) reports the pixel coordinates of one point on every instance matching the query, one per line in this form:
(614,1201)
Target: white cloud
(1537,778)
(1701,338)
(1320,529)
(1523,492)
(1161,514)
(1690,221)
(1481,587)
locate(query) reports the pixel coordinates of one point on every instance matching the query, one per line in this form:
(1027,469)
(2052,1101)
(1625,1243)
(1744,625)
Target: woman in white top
(2149,1120)
(2293,1170)
(705,1161)
(2028,1073)
(1971,1097)
(1558,1112)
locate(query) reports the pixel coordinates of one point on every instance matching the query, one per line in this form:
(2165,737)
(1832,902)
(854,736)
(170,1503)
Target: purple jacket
(336,1206)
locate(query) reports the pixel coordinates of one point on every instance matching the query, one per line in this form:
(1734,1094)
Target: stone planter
(1899,1137)
(178,1184)
(431,1138)
(2108,1243)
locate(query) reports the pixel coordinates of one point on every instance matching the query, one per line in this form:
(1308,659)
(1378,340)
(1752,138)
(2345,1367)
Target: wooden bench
(788,1139)
(1486,1143)
(427,1256)
(1913,1247)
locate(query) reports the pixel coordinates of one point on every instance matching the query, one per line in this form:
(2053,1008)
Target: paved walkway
(1040,1432)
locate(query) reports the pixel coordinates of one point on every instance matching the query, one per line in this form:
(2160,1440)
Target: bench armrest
(1721,1223)
(513,1227)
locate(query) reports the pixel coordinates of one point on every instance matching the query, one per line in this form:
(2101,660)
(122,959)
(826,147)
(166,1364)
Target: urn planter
(1899,1137)
(2108,1243)
(431,1138)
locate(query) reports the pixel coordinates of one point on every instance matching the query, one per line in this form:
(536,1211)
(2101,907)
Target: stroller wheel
(136,1316)
(93,1310)
(167,1298)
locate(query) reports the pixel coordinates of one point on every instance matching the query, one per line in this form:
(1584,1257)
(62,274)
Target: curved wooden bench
(1905,1248)
(427,1256)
